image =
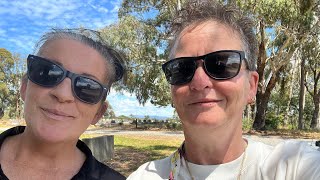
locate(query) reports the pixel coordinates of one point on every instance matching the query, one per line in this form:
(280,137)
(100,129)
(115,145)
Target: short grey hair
(115,64)
(195,12)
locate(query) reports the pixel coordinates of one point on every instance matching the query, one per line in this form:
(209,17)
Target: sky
(22,22)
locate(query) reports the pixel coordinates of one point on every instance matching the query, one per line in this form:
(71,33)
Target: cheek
(33,93)
(177,94)
(237,95)
(87,111)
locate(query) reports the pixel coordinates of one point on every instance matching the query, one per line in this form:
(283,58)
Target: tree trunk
(302,94)
(292,79)
(254,110)
(1,112)
(315,117)
(136,123)
(262,101)
(259,121)
(262,104)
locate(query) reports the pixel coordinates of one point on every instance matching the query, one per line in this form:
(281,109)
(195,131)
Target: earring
(252,101)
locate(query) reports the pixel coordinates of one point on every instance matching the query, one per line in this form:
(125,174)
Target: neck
(207,146)
(23,149)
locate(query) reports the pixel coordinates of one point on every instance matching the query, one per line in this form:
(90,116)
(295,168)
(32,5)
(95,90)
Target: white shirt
(289,160)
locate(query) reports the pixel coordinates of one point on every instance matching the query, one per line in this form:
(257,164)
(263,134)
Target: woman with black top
(68,80)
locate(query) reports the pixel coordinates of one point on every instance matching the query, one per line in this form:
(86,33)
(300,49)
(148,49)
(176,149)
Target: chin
(206,122)
(52,135)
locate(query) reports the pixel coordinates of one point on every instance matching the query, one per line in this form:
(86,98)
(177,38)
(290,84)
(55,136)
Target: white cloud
(98,8)
(126,104)
(2,32)
(116,5)
(38,8)
(115,9)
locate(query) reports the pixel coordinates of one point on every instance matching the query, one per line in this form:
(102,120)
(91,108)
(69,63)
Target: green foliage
(11,71)
(274,120)
(140,43)
(247,124)
(109,114)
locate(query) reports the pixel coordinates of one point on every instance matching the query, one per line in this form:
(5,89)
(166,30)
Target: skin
(55,118)
(211,110)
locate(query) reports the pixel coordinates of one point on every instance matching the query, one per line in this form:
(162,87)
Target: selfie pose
(212,73)
(64,92)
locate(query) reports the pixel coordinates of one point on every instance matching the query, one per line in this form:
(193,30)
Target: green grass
(159,147)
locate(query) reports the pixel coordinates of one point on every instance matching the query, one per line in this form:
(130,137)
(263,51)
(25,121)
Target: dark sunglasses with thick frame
(47,73)
(219,65)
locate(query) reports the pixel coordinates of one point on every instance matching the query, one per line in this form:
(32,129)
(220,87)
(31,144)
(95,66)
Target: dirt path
(271,140)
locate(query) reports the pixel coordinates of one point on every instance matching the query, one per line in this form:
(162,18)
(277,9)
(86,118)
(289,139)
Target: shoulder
(293,159)
(107,173)
(158,169)
(258,150)
(93,169)
(297,150)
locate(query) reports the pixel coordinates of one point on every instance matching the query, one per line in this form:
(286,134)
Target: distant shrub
(174,125)
(120,123)
(247,124)
(273,121)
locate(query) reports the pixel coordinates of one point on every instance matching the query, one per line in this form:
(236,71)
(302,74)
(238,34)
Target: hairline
(240,35)
(60,35)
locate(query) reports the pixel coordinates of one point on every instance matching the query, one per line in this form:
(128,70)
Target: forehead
(206,37)
(75,56)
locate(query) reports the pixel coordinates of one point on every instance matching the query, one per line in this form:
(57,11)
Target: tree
(302,94)
(139,42)
(289,29)
(311,52)
(109,112)
(11,71)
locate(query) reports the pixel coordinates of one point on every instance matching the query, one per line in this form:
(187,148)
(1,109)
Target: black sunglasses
(46,73)
(219,65)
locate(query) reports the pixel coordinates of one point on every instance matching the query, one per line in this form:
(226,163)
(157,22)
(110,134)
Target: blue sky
(22,22)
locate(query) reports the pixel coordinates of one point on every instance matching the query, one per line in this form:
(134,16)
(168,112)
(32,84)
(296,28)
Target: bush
(247,124)
(273,121)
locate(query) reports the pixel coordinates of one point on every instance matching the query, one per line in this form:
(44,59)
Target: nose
(200,78)
(63,91)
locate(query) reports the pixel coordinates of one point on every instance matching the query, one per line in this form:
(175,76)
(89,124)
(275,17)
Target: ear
(23,88)
(100,113)
(253,82)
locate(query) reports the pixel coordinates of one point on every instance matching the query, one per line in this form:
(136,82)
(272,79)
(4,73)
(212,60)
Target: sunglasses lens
(179,71)
(219,65)
(44,73)
(223,65)
(87,90)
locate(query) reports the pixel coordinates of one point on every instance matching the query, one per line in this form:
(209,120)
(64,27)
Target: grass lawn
(131,151)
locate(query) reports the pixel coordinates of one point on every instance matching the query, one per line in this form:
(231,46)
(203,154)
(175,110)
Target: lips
(56,114)
(205,101)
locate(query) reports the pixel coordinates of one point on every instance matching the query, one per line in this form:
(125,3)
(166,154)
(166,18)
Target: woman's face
(205,101)
(55,114)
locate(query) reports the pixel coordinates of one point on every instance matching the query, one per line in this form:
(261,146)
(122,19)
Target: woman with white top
(212,72)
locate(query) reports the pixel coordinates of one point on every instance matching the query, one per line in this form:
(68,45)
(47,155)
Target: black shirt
(91,169)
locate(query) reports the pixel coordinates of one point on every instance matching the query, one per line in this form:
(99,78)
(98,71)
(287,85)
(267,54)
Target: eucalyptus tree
(11,68)
(311,52)
(282,26)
